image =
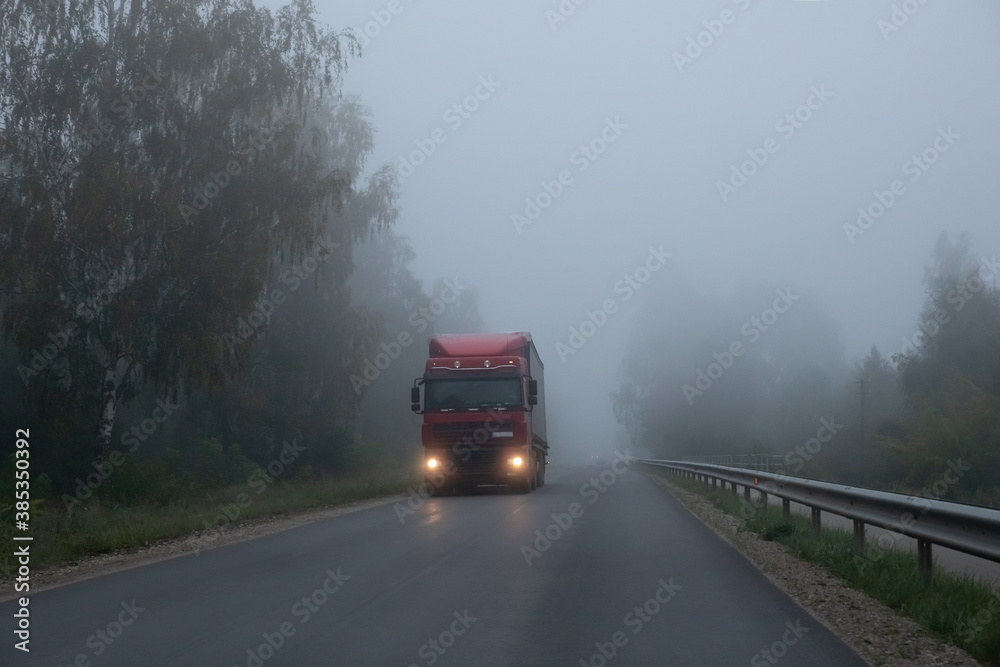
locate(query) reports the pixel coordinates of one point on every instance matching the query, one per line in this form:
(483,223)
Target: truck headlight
(432,463)
(517,460)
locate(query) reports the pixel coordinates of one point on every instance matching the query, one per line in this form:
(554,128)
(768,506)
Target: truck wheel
(522,486)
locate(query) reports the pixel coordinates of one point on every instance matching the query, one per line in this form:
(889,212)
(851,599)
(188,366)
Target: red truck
(484,412)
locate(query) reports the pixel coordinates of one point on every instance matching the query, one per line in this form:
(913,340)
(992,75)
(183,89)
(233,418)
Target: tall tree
(959,328)
(950,376)
(156,161)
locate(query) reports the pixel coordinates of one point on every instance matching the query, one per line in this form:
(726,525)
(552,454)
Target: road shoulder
(877,633)
(103,564)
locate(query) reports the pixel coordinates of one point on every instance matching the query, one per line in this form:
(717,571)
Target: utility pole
(865,456)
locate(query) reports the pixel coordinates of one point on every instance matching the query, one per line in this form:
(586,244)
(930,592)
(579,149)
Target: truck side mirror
(532,400)
(414,394)
(533,389)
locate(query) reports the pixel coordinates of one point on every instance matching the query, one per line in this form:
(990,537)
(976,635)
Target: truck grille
(484,462)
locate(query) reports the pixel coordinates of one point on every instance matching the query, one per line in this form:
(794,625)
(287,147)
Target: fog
(874,85)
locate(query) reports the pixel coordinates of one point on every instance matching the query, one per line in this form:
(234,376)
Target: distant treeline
(922,418)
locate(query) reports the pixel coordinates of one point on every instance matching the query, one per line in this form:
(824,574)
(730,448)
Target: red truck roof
(479,345)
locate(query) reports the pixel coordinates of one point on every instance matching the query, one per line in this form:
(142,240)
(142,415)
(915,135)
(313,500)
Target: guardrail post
(924,560)
(746,493)
(972,530)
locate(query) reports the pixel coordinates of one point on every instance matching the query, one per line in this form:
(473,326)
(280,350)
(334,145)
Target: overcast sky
(883,85)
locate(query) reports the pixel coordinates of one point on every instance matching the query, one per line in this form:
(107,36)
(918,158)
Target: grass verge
(958,610)
(62,537)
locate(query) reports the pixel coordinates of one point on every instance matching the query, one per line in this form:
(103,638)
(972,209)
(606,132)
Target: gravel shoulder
(100,565)
(877,633)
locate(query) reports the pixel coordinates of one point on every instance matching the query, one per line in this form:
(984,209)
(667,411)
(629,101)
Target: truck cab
(484,412)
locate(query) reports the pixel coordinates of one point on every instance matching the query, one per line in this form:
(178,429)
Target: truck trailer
(484,412)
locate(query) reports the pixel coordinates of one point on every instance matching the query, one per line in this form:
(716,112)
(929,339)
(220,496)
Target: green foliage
(951,379)
(139,226)
(175,476)
(771,533)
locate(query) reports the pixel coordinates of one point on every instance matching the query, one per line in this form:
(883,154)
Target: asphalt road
(628,578)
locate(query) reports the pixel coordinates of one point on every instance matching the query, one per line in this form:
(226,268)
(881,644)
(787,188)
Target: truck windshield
(477,393)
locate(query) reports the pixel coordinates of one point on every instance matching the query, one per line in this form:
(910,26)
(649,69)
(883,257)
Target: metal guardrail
(765,462)
(967,528)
